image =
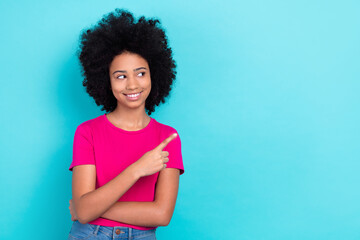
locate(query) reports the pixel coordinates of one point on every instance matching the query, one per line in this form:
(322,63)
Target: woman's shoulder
(165,128)
(91,123)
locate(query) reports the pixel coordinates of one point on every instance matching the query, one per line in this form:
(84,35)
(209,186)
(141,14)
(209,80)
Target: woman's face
(130,80)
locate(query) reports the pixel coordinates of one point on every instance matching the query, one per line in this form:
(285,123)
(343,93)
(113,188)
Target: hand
(72,211)
(154,160)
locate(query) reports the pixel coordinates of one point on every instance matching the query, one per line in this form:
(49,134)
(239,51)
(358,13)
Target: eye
(120,76)
(143,73)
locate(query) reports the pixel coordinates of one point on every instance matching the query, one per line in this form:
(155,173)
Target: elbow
(82,219)
(164,218)
(165,222)
(81,215)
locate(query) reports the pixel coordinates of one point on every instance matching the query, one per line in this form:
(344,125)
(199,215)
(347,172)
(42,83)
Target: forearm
(147,214)
(94,204)
(156,213)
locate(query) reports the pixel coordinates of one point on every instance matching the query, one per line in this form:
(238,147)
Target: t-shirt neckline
(126,131)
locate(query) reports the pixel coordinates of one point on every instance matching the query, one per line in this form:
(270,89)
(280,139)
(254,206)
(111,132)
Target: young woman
(126,165)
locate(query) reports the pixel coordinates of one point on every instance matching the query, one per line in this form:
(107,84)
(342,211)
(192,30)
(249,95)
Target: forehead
(128,60)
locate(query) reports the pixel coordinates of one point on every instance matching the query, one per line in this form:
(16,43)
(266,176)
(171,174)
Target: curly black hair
(115,33)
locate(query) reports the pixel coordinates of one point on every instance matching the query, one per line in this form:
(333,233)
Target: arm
(91,204)
(150,214)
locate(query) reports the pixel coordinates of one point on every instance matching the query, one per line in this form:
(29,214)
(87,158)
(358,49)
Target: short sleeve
(175,155)
(83,149)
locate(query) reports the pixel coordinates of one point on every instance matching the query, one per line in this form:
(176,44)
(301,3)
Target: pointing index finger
(164,143)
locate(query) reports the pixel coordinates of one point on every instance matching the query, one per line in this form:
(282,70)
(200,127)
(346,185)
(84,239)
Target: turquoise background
(266,102)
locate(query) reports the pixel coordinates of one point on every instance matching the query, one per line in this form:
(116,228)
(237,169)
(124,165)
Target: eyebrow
(123,71)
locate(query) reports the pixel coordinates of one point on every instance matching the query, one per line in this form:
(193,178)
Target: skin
(131,116)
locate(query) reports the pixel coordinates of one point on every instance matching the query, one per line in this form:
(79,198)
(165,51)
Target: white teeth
(133,95)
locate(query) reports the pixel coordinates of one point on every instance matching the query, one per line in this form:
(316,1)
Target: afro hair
(118,32)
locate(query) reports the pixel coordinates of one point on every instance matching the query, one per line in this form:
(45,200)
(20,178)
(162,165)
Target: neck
(130,118)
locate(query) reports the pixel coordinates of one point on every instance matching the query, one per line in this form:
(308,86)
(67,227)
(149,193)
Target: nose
(131,83)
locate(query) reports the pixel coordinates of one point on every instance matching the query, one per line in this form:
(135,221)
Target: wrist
(134,171)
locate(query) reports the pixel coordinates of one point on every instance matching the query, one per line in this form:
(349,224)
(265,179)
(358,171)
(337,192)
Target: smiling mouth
(132,94)
(133,97)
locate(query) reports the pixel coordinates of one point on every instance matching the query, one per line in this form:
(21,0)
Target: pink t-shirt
(97,141)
